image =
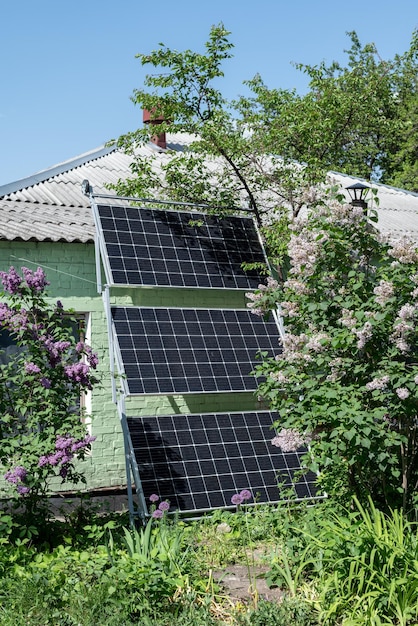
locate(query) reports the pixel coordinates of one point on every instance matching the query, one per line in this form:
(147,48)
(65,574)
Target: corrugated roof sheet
(50,205)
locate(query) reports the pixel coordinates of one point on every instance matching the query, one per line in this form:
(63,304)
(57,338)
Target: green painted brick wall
(71,271)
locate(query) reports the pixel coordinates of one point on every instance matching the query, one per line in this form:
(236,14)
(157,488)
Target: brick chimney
(158,139)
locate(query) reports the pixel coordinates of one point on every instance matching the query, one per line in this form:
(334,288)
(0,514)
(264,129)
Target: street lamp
(358,193)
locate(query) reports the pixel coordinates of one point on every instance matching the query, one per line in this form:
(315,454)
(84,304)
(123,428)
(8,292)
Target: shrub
(41,433)
(346,379)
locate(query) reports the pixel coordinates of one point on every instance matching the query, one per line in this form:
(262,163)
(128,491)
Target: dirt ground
(235,581)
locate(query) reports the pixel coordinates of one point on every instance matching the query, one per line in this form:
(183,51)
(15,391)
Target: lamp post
(358,193)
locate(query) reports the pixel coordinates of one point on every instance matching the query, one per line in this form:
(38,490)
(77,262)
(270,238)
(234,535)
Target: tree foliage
(357,119)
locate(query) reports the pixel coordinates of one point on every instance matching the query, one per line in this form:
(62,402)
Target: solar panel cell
(199,461)
(198,250)
(204,350)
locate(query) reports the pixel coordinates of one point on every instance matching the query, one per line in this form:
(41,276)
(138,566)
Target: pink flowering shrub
(41,431)
(345,375)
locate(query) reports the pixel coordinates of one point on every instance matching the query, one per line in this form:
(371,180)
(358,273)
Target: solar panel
(178,249)
(169,350)
(199,461)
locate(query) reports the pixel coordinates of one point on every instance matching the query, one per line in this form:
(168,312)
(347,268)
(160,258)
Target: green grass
(335,567)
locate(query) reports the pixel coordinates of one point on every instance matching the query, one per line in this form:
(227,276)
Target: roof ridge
(60,168)
(373,183)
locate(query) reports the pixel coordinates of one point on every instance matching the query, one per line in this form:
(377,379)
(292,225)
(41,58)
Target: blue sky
(68,68)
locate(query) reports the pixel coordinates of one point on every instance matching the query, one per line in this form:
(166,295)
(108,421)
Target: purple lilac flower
(154,498)
(237,499)
(164,506)
(22,489)
(11,281)
(55,348)
(32,368)
(83,443)
(65,448)
(45,382)
(78,372)
(63,442)
(92,358)
(5,312)
(246,495)
(157,514)
(35,280)
(61,346)
(18,321)
(15,475)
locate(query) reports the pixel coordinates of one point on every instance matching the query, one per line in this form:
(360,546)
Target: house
(46,220)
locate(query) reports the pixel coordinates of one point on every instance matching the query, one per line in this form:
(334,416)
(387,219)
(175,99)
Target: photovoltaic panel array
(178,249)
(169,350)
(199,461)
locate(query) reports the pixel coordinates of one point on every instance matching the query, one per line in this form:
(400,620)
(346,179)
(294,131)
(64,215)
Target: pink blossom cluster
(5,312)
(407,312)
(303,251)
(16,320)
(348,319)
(337,369)
(404,250)
(342,215)
(293,346)
(289,309)
(279,377)
(363,334)
(378,383)
(383,292)
(403,327)
(257,299)
(290,440)
(298,287)
(32,368)
(317,342)
(310,195)
(402,393)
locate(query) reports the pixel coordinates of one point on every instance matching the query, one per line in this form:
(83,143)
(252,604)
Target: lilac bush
(345,377)
(41,430)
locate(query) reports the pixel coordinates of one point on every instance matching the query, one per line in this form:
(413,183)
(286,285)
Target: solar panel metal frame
(193,368)
(199,461)
(231,276)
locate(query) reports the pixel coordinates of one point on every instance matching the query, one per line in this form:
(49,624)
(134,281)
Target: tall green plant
(41,431)
(370,568)
(346,378)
